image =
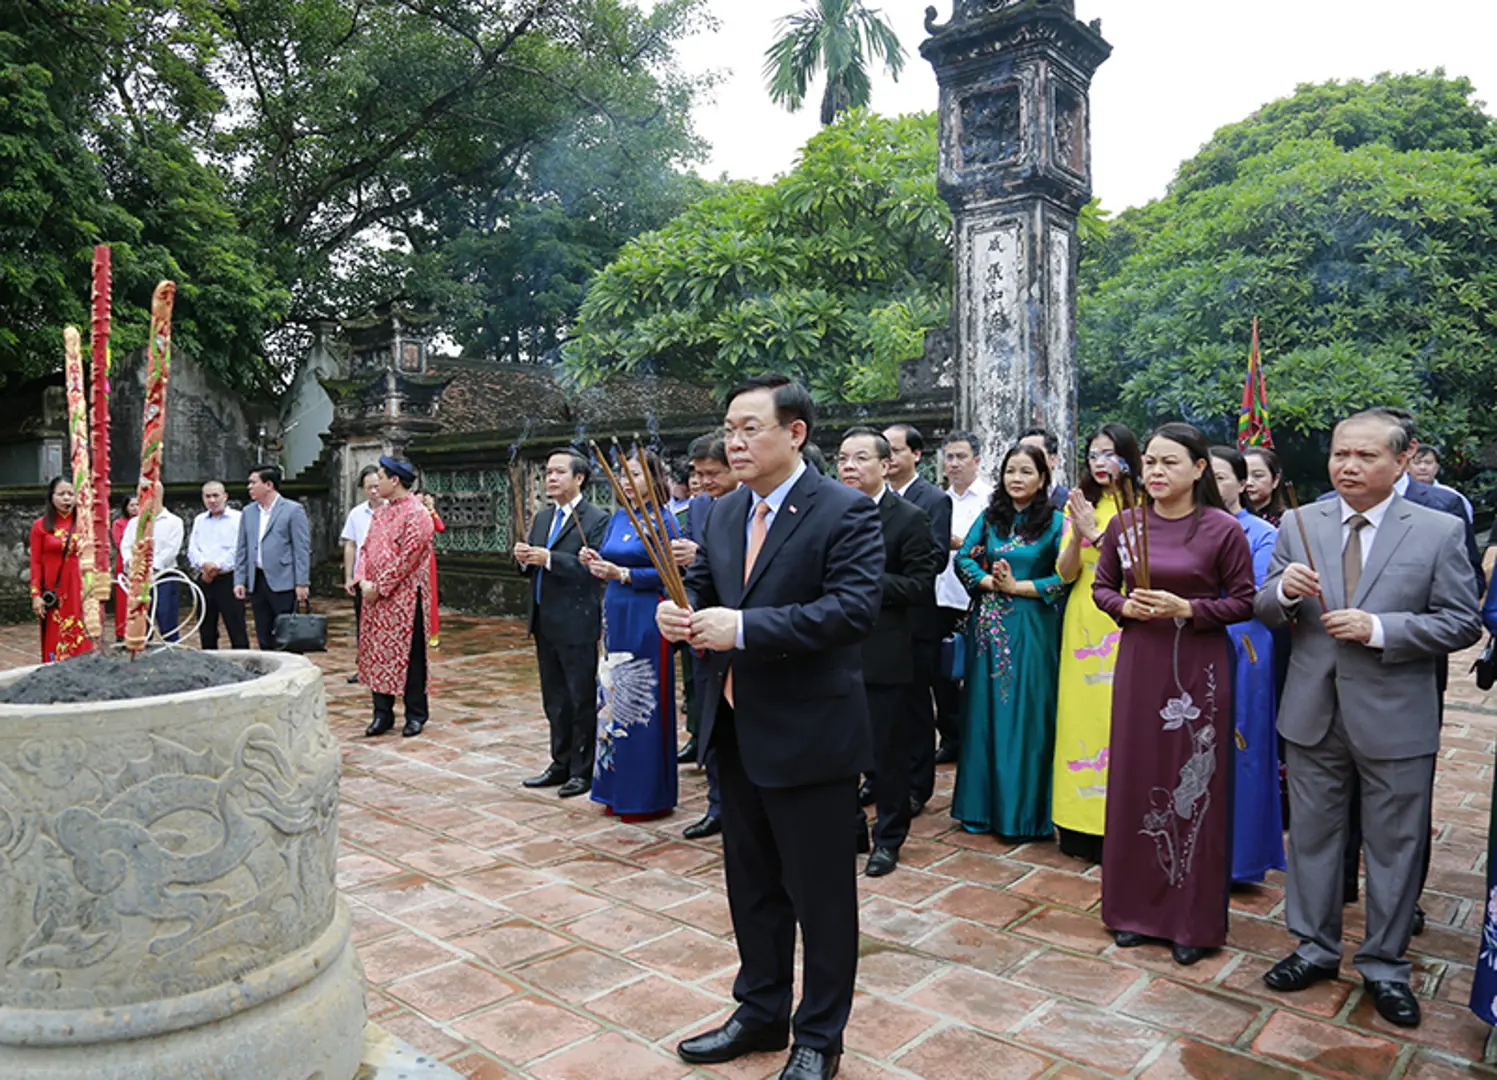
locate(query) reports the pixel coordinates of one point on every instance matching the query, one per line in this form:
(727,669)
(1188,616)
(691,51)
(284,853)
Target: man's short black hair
(681,474)
(268,474)
(967,437)
(1427,451)
(366,472)
(1052,444)
(814,457)
(1404,418)
(880,443)
(580,465)
(708,446)
(792,401)
(912,437)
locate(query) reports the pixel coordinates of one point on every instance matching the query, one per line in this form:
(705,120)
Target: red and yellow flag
(1252,421)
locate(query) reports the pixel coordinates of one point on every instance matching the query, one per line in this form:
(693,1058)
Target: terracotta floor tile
(906,884)
(1060,887)
(369,924)
(978,903)
(397,895)
(879,1026)
(980,946)
(1325,1049)
(969,1055)
(708,913)
(524,1029)
(1168,1004)
(422,1034)
(511,944)
(652,890)
(1097,1039)
(619,928)
(1068,929)
(391,957)
(610,1054)
(452,915)
(537,851)
(896,922)
(677,857)
(886,970)
(591,870)
(1323,999)
(979,999)
(556,904)
(357,868)
(476,1065)
(1097,981)
(656,1008)
(980,869)
(687,955)
(1186,1059)
(501,882)
(451,991)
(580,974)
(1454,1029)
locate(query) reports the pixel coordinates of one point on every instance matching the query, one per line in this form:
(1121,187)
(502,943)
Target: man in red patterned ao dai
(393,574)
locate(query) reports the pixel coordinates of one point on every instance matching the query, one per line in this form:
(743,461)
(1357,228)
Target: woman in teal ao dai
(1007,564)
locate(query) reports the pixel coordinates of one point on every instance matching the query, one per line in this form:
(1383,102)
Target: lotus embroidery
(1178,711)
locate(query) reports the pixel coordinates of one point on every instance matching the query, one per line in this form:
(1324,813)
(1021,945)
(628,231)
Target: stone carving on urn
(205,853)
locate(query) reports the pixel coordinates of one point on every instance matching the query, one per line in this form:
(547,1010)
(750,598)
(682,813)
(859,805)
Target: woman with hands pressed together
(1007,564)
(634,770)
(1165,867)
(1088,648)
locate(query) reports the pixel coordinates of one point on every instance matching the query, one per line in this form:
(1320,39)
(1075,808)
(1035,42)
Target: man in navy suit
(273,554)
(906,445)
(783,592)
(1044,440)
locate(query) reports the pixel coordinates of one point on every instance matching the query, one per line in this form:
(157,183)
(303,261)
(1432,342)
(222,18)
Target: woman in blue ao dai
(1257,820)
(634,771)
(1007,563)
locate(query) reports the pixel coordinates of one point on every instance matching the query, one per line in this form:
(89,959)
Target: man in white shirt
(969,494)
(166,545)
(210,552)
(355,532)
(1424,466)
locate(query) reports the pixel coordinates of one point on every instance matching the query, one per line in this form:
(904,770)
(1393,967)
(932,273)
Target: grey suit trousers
(1395,832)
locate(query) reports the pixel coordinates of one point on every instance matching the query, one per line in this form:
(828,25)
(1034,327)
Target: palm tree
(839,35)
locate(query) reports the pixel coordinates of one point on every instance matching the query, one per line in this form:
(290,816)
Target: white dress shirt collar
(1374,515)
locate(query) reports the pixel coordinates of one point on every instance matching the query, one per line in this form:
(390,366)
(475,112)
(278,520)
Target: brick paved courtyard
(515,935)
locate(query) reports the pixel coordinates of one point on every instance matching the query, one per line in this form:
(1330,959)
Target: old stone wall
(489,485)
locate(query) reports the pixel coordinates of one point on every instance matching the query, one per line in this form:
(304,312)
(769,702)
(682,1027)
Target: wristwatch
(624,575)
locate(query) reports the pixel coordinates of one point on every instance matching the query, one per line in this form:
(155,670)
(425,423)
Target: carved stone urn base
(168,906)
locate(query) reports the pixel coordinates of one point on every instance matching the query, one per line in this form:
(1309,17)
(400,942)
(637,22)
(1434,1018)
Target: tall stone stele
(1015,166)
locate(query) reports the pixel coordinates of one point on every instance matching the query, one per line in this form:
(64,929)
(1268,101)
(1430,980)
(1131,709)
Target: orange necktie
(757,532)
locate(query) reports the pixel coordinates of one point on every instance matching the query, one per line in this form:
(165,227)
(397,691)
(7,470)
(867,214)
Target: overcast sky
(1180,69)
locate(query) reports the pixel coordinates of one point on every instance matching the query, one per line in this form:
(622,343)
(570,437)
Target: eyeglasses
(748,433)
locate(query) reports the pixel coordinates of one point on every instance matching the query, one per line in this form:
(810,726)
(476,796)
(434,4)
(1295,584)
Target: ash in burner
(112,676)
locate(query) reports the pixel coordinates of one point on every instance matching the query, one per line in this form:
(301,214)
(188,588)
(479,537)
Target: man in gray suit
(273,556)
(1392,595)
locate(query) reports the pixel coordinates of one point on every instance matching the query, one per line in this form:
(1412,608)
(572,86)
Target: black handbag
(1486,665)
(300,632)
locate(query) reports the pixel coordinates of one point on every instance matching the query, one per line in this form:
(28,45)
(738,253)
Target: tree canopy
(835,272)
(289,160)
(1357,221)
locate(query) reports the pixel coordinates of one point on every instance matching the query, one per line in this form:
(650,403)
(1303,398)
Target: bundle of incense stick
(83,480)
(1137,546)
(648,520)
(153,434)
(1299,519)
(99,384)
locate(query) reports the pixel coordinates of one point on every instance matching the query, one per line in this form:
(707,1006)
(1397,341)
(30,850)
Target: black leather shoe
(379,727)
(1130,939)
(1418,920)
(688,754)
(700,830)
(550,778)
(808,1064)
(412,728)
(866,794)
(577,785)
(1185,955)
(882,861)
(947,755)
(353,678)
(1395,1002)
(728,1042)
(1294,972)
(916,806)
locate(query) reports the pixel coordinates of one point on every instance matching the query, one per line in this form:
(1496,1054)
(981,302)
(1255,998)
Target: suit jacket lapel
(540,528)
(791,513)
(735,519)
(1390,534)
(1326,540)
(571,519)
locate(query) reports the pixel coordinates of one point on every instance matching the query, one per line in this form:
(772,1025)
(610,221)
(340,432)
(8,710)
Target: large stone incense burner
(167,898)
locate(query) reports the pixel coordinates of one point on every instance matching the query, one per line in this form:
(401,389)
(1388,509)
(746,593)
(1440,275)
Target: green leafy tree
(1373,269)
(835,271)
(840,37)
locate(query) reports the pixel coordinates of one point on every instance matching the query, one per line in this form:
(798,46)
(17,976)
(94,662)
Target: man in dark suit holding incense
(566,620)
(783,592)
